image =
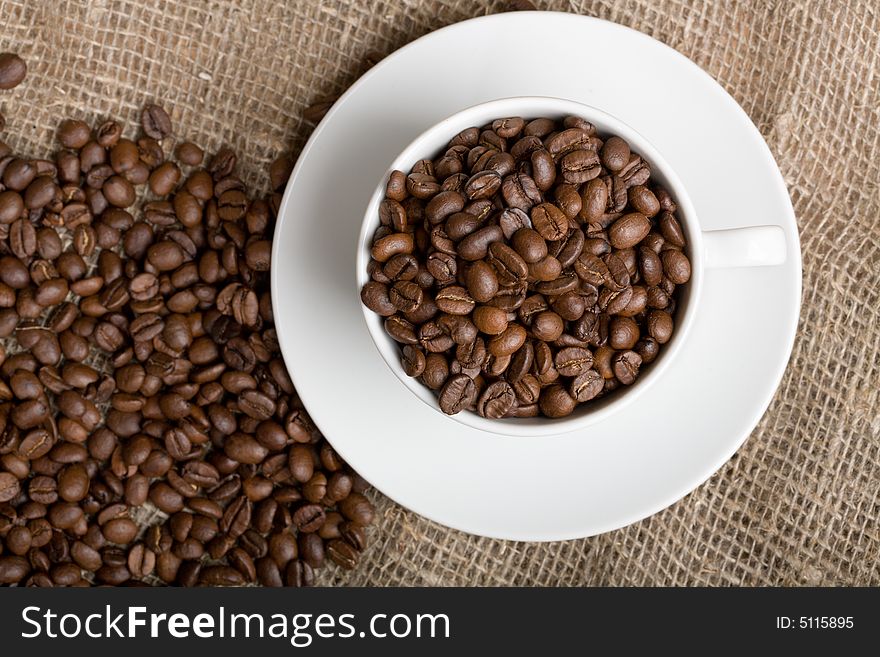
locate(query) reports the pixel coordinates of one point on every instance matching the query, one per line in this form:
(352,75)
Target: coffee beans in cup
(531,268)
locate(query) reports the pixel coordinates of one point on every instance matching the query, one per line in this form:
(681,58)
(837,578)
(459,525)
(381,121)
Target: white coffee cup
(740,247)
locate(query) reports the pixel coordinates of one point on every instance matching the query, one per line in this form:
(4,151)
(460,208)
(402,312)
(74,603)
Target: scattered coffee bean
(202,420)
(12,70)
(155,122)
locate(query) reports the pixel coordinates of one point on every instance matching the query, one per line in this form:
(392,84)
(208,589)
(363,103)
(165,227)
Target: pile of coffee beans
(142,376)
(533,266)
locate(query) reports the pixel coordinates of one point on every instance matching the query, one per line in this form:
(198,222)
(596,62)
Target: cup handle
(755,246)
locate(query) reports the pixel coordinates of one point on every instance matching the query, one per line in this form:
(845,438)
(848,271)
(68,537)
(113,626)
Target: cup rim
(526,106)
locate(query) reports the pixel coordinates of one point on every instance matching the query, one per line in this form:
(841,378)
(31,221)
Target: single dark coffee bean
(623,333)
(472,355)
(573,361)
(587,386)
(529,244)
(650,266)
(11,206)
(13,568)
(647,348)
(490,320)
(9,486)
(458,393)
(155,122)
(309,518)
(507,342)
(555,402)
(626,366)
(405,296)
(476,245)
(660,326)
(580,166)
(482,281)
(513,219)
(13,70)
(676,266)
(342,554)
(549,221)
(547,326)
(19,173)
(496,400)
(120,530)
(629,230)
(165,255)
(643,200)
(244,449)
(73,483)
(189,154)
(615,153)
(455,300)
(41,192)
(671,230)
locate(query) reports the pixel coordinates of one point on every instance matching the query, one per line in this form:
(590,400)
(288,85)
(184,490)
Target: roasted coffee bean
(573,361)
(11,206)
(120,530)
(189,154)
(650,266)
(555,402)
(9,486)
(496,400)
(615,153)
(74,134)
(342,554)
(626,366)
(482,281)
(629,230)
(547,326)
(660,326)
(244,449)
(509,266)
(490,320)
(647,348)
(529,244)
(458,393)
(671,230)
(579,166)
(13,70)
(623,333)
(587,386)
(476,245)
(676,266)
(165,255)
(164,178)
(643,200)
(13,569)
(118,191)
(405,296)
(155,122)
(549,221)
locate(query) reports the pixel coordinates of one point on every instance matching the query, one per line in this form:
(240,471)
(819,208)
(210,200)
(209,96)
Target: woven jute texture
(798,504)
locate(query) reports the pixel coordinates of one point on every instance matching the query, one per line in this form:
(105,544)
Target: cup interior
(428,145)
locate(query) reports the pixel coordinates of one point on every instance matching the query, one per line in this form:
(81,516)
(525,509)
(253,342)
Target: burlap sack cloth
(798,504)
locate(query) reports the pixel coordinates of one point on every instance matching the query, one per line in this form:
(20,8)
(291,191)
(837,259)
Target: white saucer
(614,472)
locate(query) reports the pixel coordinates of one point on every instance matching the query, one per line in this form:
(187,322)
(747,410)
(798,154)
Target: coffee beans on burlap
(146,370)
(531,267)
